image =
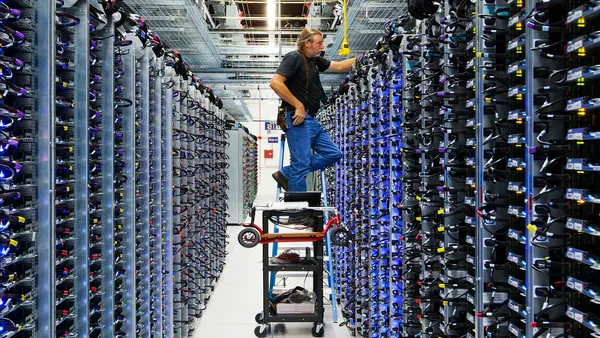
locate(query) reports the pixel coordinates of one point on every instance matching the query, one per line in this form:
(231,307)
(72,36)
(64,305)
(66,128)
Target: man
(298,84)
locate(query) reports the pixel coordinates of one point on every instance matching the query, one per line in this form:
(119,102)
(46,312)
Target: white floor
(238,295)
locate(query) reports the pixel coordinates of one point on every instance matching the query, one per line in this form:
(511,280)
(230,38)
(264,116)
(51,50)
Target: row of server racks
(469,173)
(112,214)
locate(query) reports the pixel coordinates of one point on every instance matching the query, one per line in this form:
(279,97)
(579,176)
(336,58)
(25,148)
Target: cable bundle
(422,9)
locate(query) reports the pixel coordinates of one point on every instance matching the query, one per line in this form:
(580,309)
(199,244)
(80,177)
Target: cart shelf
(293,267)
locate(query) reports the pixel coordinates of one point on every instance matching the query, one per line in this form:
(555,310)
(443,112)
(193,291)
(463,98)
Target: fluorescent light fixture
(271,14)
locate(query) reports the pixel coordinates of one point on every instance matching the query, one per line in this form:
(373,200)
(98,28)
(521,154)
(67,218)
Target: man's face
(316,46)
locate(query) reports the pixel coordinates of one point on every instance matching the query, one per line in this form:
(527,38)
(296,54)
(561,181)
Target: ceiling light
(271,14)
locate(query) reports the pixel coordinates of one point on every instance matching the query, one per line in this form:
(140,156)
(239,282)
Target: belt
(292,109)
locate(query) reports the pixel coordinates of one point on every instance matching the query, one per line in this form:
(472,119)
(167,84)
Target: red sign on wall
(269,153)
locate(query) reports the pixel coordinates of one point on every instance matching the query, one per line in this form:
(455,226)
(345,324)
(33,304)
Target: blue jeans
(302,139)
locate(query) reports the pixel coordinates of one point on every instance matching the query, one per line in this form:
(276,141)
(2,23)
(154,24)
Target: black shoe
(281,180)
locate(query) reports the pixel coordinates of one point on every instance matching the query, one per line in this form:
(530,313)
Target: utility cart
(316,215)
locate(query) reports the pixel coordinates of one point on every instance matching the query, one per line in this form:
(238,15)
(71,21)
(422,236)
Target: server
(497,145)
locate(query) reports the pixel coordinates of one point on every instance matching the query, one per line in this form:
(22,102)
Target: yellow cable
(345,50)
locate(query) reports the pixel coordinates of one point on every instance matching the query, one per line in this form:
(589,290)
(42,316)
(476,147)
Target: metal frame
(479,160)
(108,194)
(168,238)
(128,122)
(157,207)
(530,251)
(184,199)
(81,151)
(45,106)
(176,201)
(144,189)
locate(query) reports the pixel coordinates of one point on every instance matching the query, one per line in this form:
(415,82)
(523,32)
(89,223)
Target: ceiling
(229,46)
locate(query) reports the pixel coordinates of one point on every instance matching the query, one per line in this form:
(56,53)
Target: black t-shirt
(293,68)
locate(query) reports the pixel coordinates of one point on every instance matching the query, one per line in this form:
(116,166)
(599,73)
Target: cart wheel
(259,318)
(249,237)
(339,236)
(318,330)
(260,331)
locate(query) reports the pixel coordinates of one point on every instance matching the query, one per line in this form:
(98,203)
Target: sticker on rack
(470,259)
(574,74)
(471,318)
(512,328)
(575,44)
(574,15)
(575,224)
(514,19)
(498,297)
(574,105)
(575,284)
(493,321)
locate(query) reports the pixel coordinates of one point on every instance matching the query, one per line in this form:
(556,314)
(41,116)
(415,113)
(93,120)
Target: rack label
(575,224)
(513,20)
(576,286)
(574,75)
(575,136)
(471,318)
(575,15)
(498,298)
(514,330)
(574,105)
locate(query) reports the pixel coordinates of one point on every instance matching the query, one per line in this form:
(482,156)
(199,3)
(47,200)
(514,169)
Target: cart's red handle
(335,219)
(250,225)
(290,240)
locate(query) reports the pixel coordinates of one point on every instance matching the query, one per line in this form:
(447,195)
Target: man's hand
(341,66)
(299,116)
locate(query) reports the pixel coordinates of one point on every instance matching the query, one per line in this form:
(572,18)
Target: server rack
(199,165)
(517,189)
(364,120)
(243,174)
(87,167)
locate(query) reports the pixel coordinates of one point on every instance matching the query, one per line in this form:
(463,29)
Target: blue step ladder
(330,271)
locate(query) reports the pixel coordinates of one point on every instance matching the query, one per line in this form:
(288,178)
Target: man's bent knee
(337,156)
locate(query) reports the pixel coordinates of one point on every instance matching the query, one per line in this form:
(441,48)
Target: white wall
(266,111)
